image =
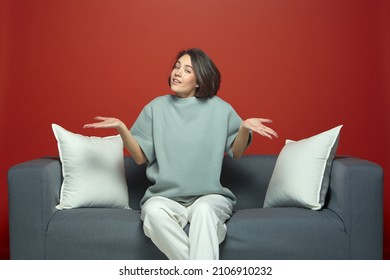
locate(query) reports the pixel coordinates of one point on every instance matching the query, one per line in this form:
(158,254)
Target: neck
(183,95)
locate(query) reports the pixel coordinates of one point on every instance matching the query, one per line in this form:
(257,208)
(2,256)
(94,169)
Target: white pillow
(301,174)
(93,170)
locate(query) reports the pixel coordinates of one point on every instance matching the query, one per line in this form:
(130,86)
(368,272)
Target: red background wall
(308,65)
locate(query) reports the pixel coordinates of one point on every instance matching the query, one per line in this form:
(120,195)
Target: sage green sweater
(184,140)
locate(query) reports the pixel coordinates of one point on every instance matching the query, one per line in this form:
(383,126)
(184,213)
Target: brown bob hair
(207,74)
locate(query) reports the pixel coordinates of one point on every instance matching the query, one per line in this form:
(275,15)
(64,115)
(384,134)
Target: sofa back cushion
(247,178)
(137,182)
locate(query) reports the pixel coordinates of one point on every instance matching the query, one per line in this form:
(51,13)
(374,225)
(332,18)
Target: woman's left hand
(256,125)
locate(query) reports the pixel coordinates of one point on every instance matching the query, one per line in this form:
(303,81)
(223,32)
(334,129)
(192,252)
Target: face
(183,80)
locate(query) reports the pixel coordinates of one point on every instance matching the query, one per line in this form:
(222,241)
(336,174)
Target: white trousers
(164,220)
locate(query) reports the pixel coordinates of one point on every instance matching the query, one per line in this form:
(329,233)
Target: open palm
(104,122)
(256,125)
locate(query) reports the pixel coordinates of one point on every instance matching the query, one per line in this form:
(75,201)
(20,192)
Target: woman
(182,137)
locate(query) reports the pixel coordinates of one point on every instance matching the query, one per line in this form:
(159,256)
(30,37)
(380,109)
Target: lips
(175,82)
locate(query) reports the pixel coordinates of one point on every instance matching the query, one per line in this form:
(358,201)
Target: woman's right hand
(105,122)
(129,141)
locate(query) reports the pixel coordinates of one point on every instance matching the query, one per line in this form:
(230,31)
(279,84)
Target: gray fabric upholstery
(33,193)
(98,234)
(349,227)
(356,196)
(285,233)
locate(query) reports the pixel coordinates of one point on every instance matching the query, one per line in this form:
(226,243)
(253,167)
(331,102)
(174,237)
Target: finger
(266,133)
(97,125)
(261,132)
(265,120)
(99,118)
(271,131)
(89,125)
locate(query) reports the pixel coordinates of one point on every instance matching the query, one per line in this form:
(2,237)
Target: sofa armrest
(356,195)
(33,190)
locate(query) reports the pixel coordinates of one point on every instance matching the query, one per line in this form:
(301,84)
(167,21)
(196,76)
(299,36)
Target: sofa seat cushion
(261,233)
(285,233)
(98,233)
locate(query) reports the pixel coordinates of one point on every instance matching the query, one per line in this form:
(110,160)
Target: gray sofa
(348,227)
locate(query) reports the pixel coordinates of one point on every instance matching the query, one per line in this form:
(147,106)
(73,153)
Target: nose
(178,73)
